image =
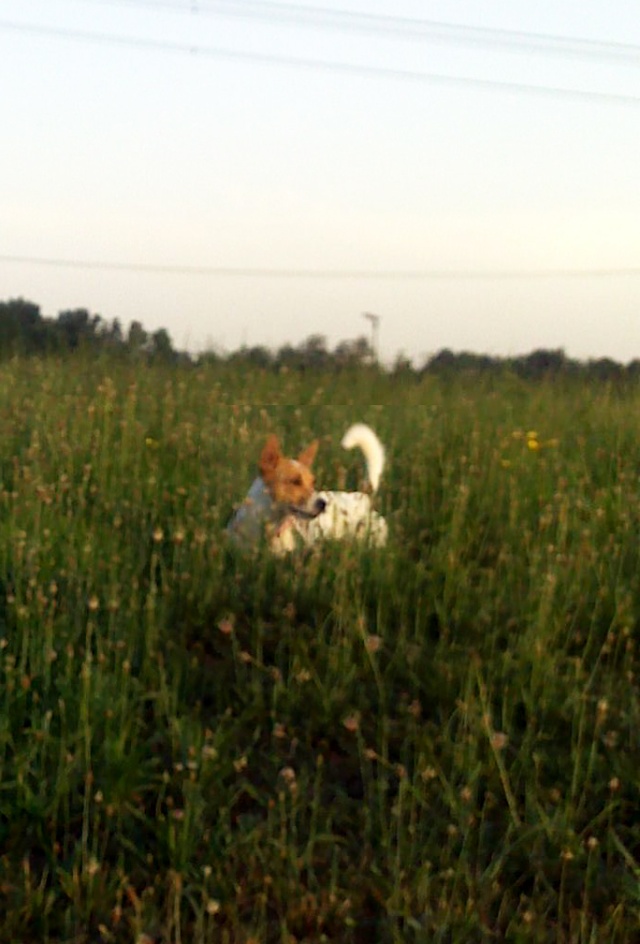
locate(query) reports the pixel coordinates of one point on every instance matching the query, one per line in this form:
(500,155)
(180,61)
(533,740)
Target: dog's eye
(297,480)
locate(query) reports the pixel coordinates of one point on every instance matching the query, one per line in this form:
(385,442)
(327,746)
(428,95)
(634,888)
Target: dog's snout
(311,510)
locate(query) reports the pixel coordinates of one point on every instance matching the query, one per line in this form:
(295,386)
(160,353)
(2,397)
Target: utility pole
(375,332)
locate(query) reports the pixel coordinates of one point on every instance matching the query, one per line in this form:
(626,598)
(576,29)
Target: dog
(283,504)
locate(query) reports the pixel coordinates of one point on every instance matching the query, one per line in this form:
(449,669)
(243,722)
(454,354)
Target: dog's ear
(307,456)
(270,456)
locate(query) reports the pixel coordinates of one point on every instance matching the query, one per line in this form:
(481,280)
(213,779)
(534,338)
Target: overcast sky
(256,172)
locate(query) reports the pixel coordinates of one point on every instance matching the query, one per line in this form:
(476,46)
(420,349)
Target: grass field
(438,742)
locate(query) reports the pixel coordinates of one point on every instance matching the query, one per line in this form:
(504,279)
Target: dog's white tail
(364,437)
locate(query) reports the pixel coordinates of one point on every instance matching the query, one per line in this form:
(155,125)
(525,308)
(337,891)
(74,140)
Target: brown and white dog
(283,503)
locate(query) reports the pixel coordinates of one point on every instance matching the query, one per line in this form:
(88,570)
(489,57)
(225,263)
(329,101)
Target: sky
(244,172)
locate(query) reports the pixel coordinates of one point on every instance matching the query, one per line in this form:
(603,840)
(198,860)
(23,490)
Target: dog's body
(283,503)
(347,515)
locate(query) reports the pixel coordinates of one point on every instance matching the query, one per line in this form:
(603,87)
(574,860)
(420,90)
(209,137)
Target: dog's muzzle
(310,511)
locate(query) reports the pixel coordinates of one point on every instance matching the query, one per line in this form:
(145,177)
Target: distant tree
(314,352)
(22,328)
(354,353)
(287,357)
(256,356)
(479,363)
(115,332)
(211,356)
(442,362)
(402,365)
(110,334)
(446,362)
(541,362)
(604,368)
(161,346)
(310,354)
(137,338)
(76,328)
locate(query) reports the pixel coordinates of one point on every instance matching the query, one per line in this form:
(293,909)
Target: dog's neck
(257,509)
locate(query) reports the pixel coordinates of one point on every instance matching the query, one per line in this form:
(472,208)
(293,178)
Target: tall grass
(433,742)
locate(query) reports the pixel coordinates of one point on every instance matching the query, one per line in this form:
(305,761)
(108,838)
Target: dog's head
(290,482)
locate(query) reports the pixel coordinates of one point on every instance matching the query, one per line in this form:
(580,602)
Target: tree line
(25,331)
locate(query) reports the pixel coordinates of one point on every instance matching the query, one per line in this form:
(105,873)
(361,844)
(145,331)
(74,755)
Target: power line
(402,27)
(257,272)
(190,49)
